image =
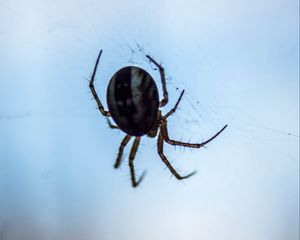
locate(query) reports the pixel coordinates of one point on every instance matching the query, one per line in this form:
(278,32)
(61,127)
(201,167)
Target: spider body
(132,99)
(133,103)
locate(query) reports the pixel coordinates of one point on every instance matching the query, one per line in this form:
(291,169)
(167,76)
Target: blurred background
(239,64)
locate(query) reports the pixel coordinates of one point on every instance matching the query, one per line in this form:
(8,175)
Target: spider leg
(121,148)
(111,125)
(131,158)
(165,100)
(160,145)
(165,135)
(91,85)
(174,108)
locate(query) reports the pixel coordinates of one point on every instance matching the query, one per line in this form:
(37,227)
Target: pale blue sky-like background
(239,64)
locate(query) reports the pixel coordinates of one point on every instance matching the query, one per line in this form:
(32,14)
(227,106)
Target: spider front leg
(160,149)
(165,100)
(131,158)
(165,135)
(91,85)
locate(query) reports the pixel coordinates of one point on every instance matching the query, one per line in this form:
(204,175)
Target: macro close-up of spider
(133,103)
(137,120)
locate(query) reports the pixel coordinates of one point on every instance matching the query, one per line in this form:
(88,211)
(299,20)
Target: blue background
(239,64)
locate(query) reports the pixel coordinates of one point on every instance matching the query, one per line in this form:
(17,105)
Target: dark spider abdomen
(132,99)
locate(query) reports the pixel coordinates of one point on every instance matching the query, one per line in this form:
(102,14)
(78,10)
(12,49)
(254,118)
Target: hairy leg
(91,85)
(111,125)
(174,108)
(165,135)
(121,148)
(165,100)
(131,158)
(160,145)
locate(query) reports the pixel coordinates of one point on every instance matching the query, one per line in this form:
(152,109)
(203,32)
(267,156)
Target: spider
(133,103)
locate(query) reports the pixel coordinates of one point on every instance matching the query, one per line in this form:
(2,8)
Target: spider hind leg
(133,151)
(160,145)
(121,148)
(165,135)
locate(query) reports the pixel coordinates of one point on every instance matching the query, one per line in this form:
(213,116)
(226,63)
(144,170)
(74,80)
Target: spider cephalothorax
(133,103)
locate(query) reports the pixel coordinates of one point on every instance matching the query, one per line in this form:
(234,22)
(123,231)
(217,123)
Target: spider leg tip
(190,174)
(224,127)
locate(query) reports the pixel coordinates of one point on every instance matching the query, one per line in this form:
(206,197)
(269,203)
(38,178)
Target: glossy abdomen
(133,101)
